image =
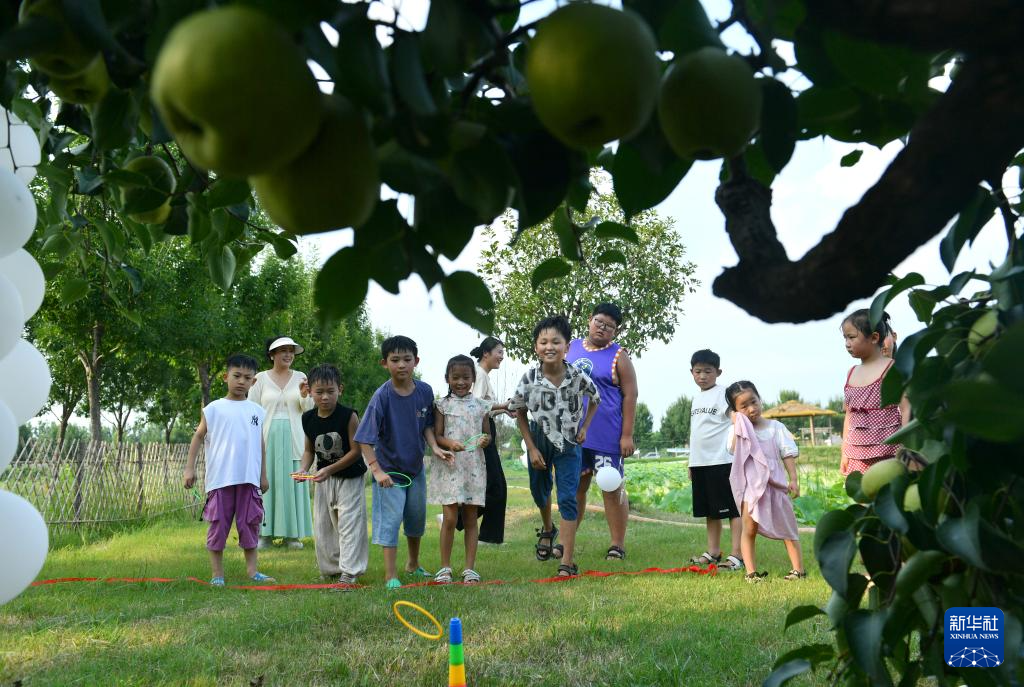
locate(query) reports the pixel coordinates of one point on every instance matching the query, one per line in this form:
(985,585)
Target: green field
(649,629)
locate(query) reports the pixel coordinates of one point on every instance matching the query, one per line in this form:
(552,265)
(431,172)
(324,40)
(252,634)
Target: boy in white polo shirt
(710,462)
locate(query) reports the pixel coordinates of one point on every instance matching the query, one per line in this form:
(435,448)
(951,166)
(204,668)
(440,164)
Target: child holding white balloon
(763,479)
(461,425)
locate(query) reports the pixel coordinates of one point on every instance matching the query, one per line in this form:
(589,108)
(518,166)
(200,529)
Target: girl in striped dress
(868,424)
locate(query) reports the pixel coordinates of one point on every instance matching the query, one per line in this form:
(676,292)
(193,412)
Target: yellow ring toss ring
(422,610)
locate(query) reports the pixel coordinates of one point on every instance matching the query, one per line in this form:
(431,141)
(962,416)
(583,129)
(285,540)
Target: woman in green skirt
(284,394)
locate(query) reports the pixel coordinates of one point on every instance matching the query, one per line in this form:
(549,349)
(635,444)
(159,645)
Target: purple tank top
(606,428)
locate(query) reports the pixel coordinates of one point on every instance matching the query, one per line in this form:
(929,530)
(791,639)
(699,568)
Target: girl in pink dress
(868,424)
(763,479)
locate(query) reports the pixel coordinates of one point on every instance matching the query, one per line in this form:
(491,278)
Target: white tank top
(234,443)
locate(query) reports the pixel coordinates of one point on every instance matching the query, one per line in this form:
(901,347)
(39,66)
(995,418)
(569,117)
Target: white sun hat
(285,341)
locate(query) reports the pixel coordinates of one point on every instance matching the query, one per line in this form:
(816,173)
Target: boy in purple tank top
(610,440)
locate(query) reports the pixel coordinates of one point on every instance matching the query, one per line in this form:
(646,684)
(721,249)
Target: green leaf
(566,231)
(469,299)
(887,506)
(899,286)
(645,170)
(892,386)
(779,126)
(851,158)
(483,177)
(59,245)
(682,26)
(609,257)
(73,289)
(835,557)
(283,247)
(787,671)
(974,215)
(410,81)
(779,17)
(985,408)
(800,614)
(28,38)
(864,634)
(341,285)
(545,169)
(455,36)
(363,75)
(221,264)
(1003,359)
(226,191)
(922,304)
(615,230)
(552,268)
(88,179)
(960,536)
(114,120)
(881,69)
(443,221)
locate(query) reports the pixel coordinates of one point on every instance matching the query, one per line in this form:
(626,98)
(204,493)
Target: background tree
(643,426)
(641,269)
(674,429)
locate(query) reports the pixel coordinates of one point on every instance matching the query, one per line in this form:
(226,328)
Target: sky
(809,198)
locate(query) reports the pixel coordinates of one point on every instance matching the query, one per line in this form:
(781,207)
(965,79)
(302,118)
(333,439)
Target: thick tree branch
(974,25)
(971,134)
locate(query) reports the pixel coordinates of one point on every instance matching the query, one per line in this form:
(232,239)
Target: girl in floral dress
(461,426)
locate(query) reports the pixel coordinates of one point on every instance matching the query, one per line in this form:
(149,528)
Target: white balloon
(24,145)
(8,437)
(4,128)
(12,315)
(24,541)
(18,213)
(608,478)
(6,161)
(24,381)
(26,174)
(27,276)
(525,460)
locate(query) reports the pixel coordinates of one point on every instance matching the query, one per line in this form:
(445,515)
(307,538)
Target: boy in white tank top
(236,469)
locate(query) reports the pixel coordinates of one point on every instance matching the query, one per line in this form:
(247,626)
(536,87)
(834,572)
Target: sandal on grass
(568,570)
(706,559)
(615,553)
(420,572)
(755,577)
(443,576)
(260,577)
(795,575)
(393,583)
(217,582)
(544,550)
(470,576)
(557,551)
(731,563)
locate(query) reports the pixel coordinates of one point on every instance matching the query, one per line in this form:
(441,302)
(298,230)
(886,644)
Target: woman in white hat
(284,394)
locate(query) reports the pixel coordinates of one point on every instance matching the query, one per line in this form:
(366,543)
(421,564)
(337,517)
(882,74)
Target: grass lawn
(654,629)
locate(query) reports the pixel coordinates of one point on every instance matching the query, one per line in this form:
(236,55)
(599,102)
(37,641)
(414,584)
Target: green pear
(72,57)
(234,90)
(880,474)
(149,204)
(593,74)
(982,332)
(333,185)
(87,88)
(710,105)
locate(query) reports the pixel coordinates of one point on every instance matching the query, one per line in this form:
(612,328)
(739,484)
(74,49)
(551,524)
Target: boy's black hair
(609,309)
(325,373)
(459,361)
(242,362)
(706,356)
(396,344)
(861,321)
(486,346)
(556,322)
(737,388)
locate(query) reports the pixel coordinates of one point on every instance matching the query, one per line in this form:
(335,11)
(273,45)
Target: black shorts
(712,493)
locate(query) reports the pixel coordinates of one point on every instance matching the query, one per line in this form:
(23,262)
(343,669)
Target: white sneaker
(264,543)
(294,544)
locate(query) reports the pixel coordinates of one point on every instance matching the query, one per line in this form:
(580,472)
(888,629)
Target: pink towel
(755,466)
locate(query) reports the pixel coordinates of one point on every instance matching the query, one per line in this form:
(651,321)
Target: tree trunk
(168,428)
(92,361)
(204,382)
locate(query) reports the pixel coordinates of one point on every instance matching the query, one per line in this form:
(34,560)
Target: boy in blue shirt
(391,435)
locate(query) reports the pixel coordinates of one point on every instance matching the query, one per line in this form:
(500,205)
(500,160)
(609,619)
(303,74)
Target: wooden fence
(86,484)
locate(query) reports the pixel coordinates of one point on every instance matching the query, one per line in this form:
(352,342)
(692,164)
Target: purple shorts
(592,461)
(242,503)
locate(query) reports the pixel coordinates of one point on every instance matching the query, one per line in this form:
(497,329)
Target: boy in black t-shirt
(339,501)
